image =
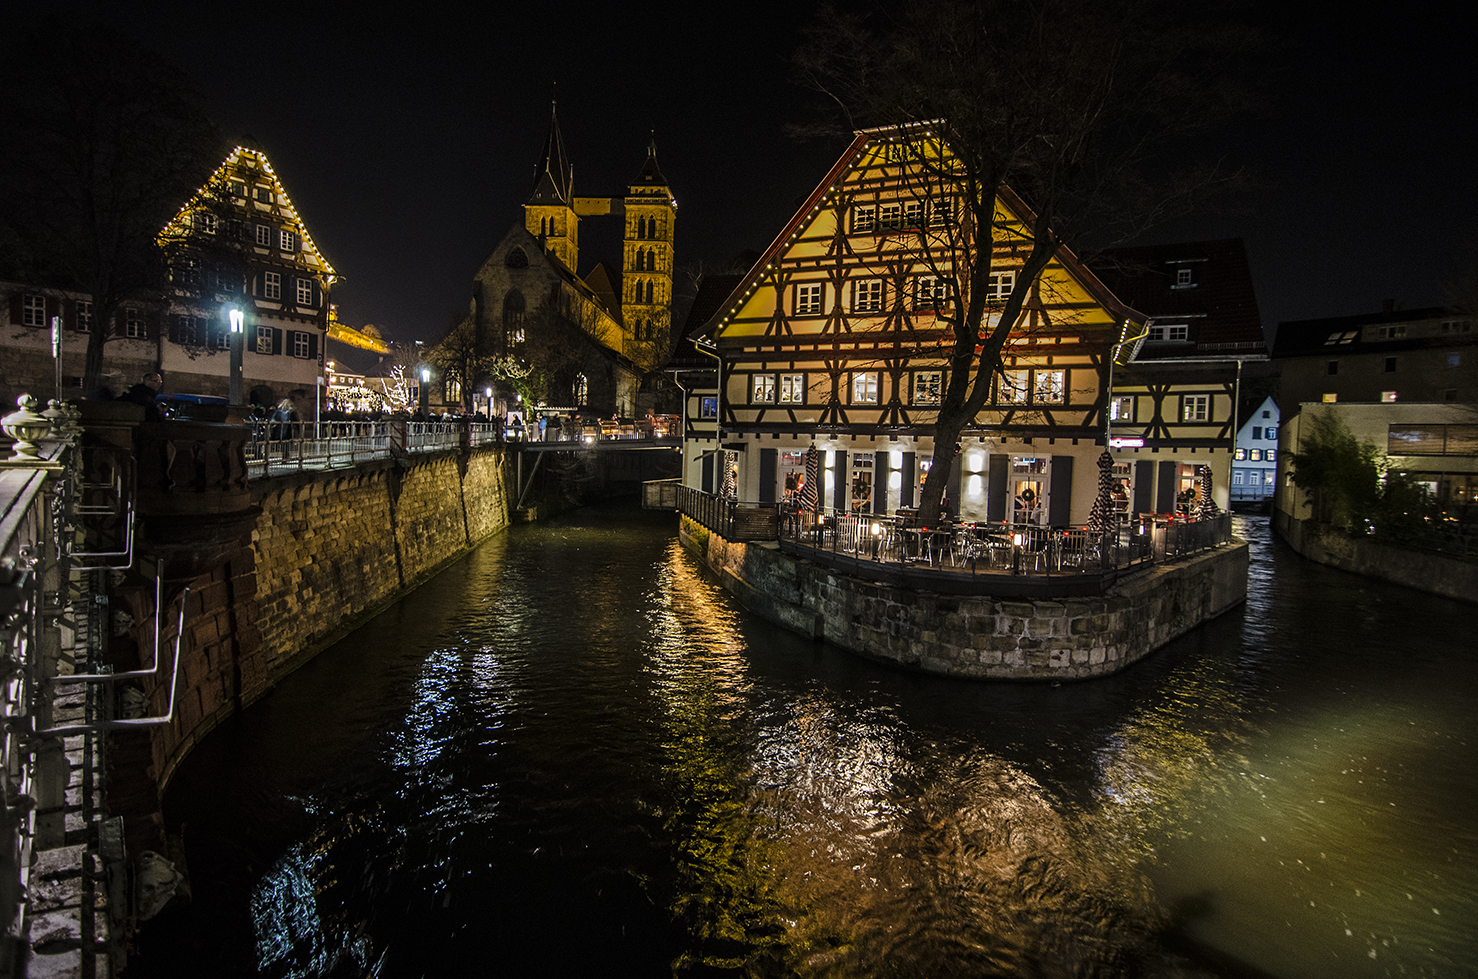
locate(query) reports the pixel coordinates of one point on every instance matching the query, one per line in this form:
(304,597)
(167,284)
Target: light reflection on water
(572,754)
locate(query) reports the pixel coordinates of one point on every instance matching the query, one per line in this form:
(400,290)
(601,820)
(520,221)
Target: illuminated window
(1271,455)
(865,388)
(864,218)
(453,390)
(264,340)
(762,389)
(808,298)
(867,295)
(1121,409)
(287,241)
(1239,455)
(793,389)
(1195,407)
(708,407)
(1254,455)
(1050,388)
(271,285)
(928,387)
(1013,387)
(582,389)
(305,291)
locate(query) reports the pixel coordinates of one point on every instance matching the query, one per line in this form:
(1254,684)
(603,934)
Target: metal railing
(277,448)
(955,554)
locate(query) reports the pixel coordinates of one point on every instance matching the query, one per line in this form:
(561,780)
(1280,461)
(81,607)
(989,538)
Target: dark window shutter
(312,346)
(843,481)
(1144,484)
(15,309)
(276,340)
(174,329)
(905,492)
(995,493)
(317,295)
(767,475)
(708,474)
(1165,497)
(1060,492)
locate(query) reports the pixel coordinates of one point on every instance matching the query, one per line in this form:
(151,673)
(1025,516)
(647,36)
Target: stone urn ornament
(27,428)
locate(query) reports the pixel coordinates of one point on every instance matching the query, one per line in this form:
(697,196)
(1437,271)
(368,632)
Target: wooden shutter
(767,475)
(1166,488)
(905,492)
(1060,492)
(1144,486)
(842,482)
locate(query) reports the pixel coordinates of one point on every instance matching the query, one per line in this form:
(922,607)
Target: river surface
(573,755)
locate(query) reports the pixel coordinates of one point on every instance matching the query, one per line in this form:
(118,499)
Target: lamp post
(425,383)
(238,340)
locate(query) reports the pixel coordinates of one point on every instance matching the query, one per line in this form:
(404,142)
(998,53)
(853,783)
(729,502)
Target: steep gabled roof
(248,163)
(1219,300)
(830,185)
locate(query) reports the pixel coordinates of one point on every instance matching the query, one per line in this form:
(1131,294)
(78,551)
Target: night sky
(407,139)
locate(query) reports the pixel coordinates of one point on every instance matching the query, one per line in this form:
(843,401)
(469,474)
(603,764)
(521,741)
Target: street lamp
(238,342)
(425,383)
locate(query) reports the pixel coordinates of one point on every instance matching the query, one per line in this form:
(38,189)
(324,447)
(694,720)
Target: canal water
(573,755)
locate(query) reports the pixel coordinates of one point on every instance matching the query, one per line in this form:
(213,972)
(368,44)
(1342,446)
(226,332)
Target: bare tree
(1064,104)
(105,141)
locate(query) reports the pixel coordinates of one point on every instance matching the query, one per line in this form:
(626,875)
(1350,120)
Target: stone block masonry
(326,552)
(979,637)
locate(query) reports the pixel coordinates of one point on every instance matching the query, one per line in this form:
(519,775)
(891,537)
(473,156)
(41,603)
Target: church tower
(647,261)
(550,213)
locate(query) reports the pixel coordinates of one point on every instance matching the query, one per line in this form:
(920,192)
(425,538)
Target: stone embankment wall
(1422,570)
(326,552)
(979,637)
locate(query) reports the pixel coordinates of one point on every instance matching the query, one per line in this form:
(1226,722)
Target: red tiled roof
(1220,302)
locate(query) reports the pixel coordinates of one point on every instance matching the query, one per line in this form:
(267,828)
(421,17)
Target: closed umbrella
(810,494)
(728,489)
(1207,508)
(1101,517)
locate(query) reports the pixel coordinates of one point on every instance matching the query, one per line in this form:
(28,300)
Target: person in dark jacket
(146,394)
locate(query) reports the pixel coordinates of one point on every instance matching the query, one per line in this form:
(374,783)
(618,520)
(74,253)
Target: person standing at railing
(285,419)
(145,394)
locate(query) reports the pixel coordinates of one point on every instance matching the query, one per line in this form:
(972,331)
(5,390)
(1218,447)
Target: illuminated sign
(1126,443)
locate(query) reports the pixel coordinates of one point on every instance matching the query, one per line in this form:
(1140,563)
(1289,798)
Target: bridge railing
(278,448)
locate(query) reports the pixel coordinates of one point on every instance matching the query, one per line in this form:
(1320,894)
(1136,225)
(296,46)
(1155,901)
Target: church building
(579,338)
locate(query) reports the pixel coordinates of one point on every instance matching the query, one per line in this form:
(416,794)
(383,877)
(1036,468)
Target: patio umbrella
(1207,508)
(811,494)
(1101,517)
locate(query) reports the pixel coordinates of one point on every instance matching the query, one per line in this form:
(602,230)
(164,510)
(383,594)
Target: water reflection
(572,755)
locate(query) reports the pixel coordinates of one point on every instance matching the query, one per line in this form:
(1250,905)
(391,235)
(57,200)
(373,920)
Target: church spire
(554,178)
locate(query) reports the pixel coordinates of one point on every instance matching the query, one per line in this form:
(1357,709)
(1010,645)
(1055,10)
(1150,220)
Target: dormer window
(1184,278)
(1339,338)
(1168,333)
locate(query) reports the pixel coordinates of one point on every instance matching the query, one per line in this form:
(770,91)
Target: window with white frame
(1001,284)
(1237,477)
(864,218)
(188,330)
(133,323)
(913,214)
(1161,332)
(287,241)
(1185,277)
(1195,407)
(1270,433)
(264,340)
(1268,476)
(33,310)
(1050,387)
(1390,332)
(708,406)
(1013,387)
(928,387)
(84,315)
(808,298)
(1121,408)
(792,389)
(305,291)
(930,292)
(1271,455)
(762,389)
(271,285)
(865,388)
(220,336)
(264,235)
(300,344)
(890,216)
(867,295)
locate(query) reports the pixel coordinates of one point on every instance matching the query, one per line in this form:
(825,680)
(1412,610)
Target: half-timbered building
(835,340)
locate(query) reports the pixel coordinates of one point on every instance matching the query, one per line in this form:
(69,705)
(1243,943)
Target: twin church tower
(552,215)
